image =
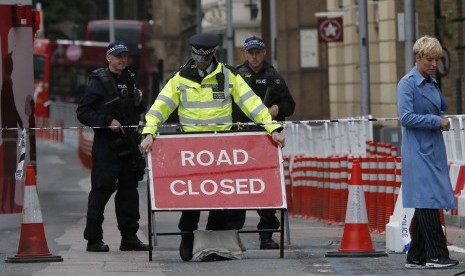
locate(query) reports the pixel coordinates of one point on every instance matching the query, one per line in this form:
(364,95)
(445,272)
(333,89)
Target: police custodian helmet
(203,46)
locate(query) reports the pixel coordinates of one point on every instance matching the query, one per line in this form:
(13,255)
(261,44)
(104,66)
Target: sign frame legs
(153,240)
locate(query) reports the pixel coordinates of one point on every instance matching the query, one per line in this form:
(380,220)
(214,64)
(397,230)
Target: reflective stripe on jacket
(206,104)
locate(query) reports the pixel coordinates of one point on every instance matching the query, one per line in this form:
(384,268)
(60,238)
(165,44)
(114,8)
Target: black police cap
(254,42)
(117,47)
(204,43)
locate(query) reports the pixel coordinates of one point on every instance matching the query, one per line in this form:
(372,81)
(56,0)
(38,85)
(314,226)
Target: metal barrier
(346,136)
(308,145)
(455,139)
(86,137)
(49,129)
(313,178)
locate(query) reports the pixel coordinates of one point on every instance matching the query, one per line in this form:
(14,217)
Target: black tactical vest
(121,98)
(259,82)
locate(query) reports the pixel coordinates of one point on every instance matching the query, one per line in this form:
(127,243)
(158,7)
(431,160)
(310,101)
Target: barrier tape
(301,122)
(22,157)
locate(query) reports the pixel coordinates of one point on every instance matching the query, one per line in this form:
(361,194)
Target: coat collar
(418,78)
(420,82)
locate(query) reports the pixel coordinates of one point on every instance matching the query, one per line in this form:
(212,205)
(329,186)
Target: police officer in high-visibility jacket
(203,90)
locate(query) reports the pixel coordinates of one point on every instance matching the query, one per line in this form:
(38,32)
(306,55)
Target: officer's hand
(146,144)
(115,126)
(279,138)
(274,110)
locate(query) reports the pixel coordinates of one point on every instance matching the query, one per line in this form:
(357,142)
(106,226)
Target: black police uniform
(269,85)
(114,157)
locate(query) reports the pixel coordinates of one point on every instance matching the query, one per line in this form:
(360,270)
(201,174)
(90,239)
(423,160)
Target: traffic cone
(32,244)
(356,240)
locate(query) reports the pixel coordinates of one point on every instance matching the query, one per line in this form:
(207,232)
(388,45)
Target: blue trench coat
(425,175)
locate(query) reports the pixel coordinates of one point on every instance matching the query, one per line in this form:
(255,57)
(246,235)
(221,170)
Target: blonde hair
(427,46)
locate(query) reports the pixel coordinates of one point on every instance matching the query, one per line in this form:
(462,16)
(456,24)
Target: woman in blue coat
(426,183)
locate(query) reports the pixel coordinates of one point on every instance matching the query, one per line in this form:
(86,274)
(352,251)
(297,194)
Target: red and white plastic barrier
(85,149)
(49,129)
(457,178)
(318,186)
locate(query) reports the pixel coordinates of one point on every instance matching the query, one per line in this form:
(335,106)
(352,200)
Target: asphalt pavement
(63,185)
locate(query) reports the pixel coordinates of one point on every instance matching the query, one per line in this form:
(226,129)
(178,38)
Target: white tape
(22,156)
(356,208)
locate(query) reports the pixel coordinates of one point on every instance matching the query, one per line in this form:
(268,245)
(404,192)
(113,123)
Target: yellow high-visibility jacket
(205,104)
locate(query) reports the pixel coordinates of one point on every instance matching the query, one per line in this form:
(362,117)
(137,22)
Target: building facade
(324,78)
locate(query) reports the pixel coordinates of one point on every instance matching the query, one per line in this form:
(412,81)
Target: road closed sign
(216,171)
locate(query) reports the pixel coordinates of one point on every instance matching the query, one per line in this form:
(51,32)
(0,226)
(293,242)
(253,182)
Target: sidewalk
(78,262)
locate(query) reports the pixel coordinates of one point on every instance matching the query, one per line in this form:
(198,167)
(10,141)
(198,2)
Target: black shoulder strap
(231,68)
(183,67)
(240,65)
(220,78)
(273,71)
(106,79)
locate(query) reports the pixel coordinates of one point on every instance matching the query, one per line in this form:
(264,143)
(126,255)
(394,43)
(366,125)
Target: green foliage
(449,25)
(76,12)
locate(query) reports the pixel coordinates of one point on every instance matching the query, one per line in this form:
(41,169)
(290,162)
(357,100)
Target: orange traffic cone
(32,244)
(356,240)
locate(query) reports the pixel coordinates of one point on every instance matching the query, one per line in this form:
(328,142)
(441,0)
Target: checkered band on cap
(117,48)
(202,52)
(254,43)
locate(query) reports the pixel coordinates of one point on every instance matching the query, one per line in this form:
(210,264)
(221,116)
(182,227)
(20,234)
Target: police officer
(203,91)
(270,86)
(111,101)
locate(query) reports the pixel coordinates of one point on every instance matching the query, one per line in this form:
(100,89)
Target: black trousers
(217,220)
(111,173)
(428,239)
(268,220)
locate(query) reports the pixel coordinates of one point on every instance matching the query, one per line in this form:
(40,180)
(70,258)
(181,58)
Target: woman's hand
(445,124)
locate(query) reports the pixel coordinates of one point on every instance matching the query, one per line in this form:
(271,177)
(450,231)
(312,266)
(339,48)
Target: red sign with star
(330,29)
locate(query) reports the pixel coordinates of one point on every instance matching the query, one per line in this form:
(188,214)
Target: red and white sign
(73,53)
(216,171)
(444,62)
(330,29)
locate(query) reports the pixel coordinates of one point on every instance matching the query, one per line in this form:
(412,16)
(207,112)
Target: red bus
(61,69)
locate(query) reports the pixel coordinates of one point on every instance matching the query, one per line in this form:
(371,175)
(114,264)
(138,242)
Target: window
(68,82)
(39,67)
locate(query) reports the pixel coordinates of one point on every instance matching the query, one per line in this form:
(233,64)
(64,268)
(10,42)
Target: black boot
(268,243)
(186,247)
(97,246)
(132,243)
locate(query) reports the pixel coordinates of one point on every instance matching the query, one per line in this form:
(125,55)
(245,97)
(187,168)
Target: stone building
(324,78)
